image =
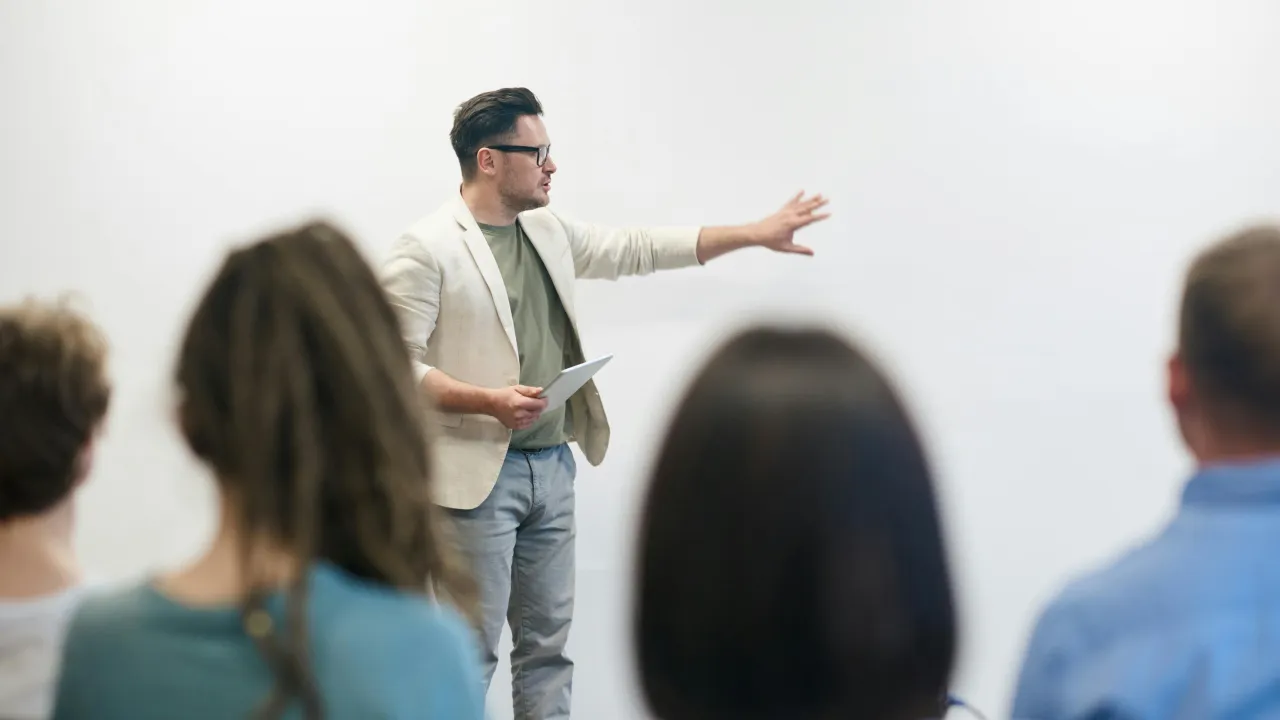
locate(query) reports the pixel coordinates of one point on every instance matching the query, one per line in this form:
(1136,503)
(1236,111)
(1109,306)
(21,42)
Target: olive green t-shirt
(542,327)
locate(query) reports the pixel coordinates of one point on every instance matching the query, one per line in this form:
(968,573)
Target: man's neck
(1237,457)
(486,206)
(37,556)
(1234,450)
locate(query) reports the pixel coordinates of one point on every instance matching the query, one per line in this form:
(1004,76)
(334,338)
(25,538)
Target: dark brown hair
(1230,328)
(791,555)
(487,117)
(298,392)
(54,393)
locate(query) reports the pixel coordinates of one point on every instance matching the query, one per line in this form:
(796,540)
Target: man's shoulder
(437,225)
(542,220)
(1120,592)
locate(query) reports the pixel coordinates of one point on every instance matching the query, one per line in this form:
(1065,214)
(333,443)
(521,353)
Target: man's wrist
(753,234)
(489,401)
(716,241)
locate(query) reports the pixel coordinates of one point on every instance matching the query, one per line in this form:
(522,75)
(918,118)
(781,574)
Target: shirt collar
(1255,482)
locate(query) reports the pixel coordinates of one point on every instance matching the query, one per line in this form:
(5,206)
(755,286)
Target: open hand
(517,406)
(777,232)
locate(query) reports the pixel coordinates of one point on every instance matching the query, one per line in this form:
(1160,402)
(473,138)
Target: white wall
(1017,185)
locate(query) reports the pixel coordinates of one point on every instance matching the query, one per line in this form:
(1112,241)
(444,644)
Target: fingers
(529,404)
(812,203)
(522,419)
(526,407)
(807,208)
(811,219)
(795,224)
(804,212)
(798,250)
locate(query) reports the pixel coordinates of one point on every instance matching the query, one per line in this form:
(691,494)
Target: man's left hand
(777,232)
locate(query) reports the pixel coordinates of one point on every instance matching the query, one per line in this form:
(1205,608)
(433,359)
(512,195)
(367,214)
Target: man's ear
(179,417)
(1179,383)
(485,161)
(84,460)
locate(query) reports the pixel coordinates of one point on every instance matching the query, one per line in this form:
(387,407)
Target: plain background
(1017,186)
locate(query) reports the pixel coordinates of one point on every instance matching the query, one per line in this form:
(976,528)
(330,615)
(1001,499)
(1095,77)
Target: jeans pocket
(570,462)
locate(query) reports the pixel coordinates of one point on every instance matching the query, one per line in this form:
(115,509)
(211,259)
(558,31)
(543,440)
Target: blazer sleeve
(411,279)
(610,253)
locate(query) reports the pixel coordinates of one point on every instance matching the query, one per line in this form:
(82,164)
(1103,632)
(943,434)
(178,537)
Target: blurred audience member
(297,392)
(1187,624)
(792,562)
(54,394)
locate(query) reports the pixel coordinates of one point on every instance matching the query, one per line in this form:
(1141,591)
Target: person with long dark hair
(311,601)
(791,554)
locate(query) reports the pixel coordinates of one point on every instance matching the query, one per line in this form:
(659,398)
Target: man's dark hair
(1229,329)
(792,561)
(54,393)
(487,117)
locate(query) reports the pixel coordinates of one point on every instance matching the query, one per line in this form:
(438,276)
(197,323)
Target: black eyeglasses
(541,151)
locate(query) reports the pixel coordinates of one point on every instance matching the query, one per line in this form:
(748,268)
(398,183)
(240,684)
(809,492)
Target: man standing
(484,290)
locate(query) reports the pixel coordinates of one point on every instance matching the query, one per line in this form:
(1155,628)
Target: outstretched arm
(609,253)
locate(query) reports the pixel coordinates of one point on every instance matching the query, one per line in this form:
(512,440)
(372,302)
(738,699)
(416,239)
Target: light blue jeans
(520,546)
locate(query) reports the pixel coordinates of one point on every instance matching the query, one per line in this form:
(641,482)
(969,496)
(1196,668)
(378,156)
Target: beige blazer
(448,294)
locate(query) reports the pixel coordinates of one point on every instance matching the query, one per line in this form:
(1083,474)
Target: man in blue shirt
(1188,624)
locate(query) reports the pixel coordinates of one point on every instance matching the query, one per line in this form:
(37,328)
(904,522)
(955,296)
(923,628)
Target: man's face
(522,184)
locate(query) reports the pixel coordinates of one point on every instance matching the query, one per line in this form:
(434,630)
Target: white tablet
(568,382)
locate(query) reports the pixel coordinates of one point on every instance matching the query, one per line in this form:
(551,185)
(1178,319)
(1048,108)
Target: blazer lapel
(483,256)
(552,262)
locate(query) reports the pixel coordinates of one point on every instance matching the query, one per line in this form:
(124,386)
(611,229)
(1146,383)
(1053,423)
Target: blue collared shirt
(1185,626)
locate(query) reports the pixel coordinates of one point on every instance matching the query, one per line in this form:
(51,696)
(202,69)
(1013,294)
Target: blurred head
(791,557)
(502,145)
(1224,379)
(54,394)
(297,391)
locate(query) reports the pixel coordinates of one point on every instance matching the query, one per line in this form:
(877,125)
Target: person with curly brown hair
(54,395)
